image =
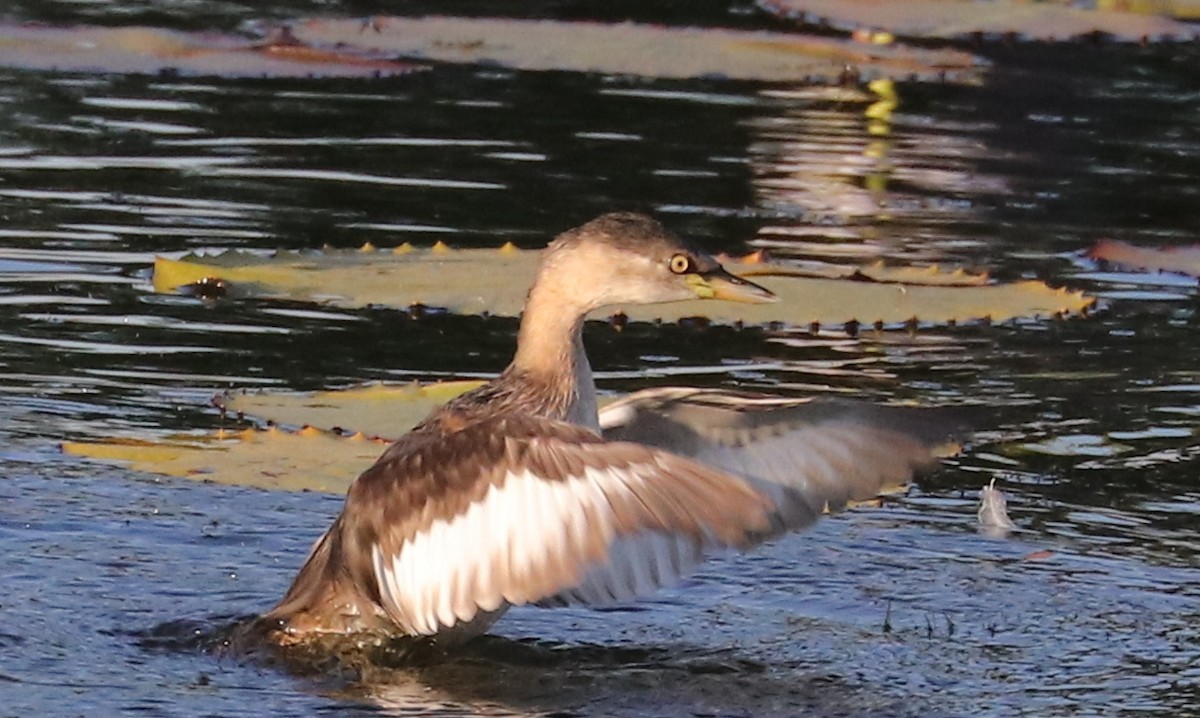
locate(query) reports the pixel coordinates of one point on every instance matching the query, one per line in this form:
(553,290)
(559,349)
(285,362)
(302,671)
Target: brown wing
(522,510)
(819,453)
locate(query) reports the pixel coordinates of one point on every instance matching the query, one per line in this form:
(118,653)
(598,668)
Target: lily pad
(314,441)
(147,50)
(632,49)
(1076,445)
(827,301)
(1048,21)
(475,281)
(382,411)
(755,265)
(1183,260)
(305,460)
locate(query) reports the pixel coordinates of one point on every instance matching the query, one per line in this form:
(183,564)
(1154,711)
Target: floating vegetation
(1181,260)
(635,49)
(324,47)
(305,460)
(304,442)
(956,19)
(494,281)
(383,411)
(150,51)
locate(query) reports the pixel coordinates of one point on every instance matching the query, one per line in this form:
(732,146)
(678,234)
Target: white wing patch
(637,566)
(526,540)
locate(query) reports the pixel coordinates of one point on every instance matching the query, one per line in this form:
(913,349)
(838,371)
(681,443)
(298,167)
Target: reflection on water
(1089,426)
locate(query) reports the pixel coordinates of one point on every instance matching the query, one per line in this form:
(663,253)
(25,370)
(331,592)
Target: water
(1090,425)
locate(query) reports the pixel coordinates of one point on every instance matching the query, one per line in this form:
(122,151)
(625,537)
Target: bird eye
(681,264)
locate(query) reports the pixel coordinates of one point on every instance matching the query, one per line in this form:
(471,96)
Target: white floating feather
(993,510)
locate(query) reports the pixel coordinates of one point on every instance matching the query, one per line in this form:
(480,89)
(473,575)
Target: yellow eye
(681,264)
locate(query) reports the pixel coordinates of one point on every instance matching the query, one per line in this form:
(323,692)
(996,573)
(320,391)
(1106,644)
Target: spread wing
(822,453)
(523,510)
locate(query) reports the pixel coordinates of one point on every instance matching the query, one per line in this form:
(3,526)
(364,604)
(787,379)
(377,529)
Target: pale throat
(550,348)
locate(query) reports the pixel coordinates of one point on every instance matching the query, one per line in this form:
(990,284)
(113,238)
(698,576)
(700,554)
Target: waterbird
(521,492)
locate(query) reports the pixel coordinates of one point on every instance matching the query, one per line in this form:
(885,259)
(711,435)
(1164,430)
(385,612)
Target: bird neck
(550,352)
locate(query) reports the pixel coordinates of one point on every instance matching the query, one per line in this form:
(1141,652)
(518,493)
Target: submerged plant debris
(494,281)
(148,50)
(952,19)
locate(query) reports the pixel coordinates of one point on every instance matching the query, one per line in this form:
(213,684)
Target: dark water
(1092,608)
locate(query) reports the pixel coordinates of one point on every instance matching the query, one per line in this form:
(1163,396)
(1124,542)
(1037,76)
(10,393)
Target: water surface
(1090,425)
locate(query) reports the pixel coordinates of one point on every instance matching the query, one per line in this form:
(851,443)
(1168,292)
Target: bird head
(628,258)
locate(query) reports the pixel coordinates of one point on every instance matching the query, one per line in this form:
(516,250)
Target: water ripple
(98,347)
(75,163)
(356,177)
(21,300)
(142,103)
(142,320)
(333,142)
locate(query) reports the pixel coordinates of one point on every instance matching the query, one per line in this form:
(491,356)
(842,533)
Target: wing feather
(562,516)
(808,456)
(527,510)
